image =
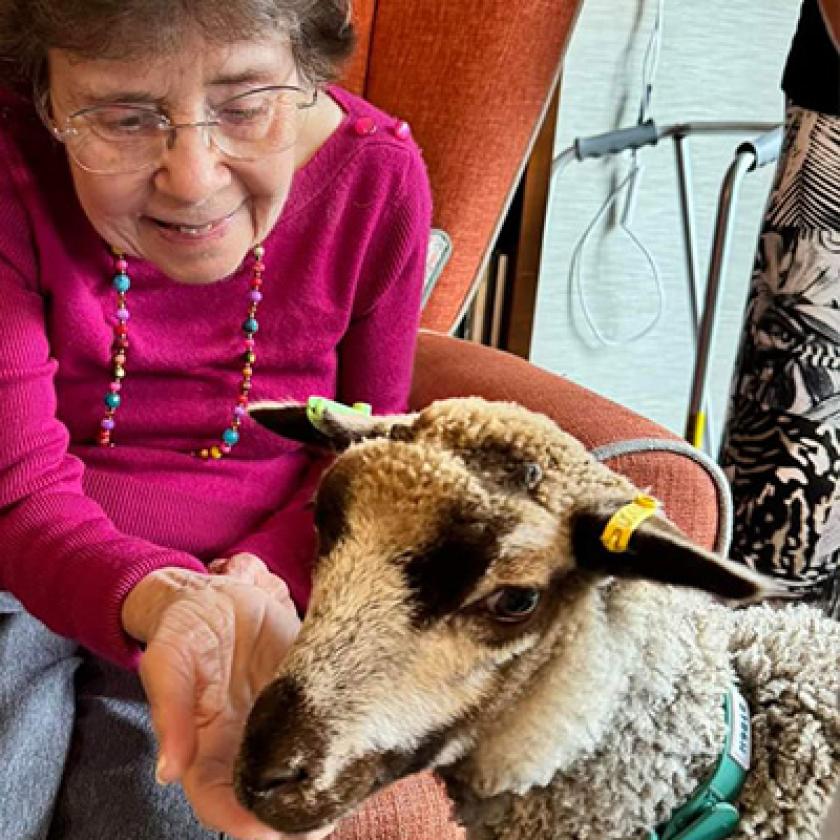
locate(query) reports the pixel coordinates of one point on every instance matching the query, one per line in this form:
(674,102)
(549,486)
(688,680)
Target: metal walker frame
(750,155)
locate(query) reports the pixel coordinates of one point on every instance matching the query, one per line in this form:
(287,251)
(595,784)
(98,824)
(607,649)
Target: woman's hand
(212,643)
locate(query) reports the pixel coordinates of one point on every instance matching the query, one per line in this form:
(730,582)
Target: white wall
(720,60)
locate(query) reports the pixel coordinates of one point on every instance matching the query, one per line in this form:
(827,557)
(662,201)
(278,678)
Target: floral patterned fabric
(781,447)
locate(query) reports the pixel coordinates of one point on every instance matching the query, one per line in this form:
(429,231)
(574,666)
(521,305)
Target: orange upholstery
(415,808)
(473,78)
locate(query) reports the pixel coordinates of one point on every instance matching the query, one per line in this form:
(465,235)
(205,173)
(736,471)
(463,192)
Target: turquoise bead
(230,437)
(251,325)
(112,400)
(121,283)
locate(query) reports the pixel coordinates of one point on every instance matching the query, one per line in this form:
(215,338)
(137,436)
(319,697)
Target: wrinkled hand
(212,643)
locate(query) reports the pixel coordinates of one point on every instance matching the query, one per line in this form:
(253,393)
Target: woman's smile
(187,232)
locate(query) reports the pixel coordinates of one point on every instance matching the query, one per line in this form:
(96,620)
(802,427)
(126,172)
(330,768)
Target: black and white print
(781,448)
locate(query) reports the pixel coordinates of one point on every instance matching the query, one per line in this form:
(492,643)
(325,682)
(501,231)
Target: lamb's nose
(275,780)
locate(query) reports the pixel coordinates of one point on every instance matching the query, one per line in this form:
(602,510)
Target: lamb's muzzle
(280,774)
(272,773)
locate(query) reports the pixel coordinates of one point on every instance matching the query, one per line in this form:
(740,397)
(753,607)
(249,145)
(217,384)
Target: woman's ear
(658,551)
(329,428)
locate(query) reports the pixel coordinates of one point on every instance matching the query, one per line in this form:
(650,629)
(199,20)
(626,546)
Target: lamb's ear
(334,430)
(658,551)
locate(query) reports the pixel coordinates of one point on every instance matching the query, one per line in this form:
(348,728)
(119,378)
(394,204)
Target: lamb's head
(453,546)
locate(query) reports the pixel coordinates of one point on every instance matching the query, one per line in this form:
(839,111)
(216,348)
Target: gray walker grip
(765,148)
(620,140)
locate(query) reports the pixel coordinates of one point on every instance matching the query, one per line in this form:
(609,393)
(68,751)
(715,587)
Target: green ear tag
(316,406)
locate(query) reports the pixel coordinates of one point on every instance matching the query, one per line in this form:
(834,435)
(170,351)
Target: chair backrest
(473,79)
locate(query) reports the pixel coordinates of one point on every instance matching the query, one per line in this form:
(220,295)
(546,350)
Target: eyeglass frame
(166,126)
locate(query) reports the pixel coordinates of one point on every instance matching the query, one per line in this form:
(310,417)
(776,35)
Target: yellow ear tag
(622,524)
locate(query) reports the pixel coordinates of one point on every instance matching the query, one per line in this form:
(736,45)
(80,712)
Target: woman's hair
(320,31)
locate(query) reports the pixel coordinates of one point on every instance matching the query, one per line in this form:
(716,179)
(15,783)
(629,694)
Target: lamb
(466,616)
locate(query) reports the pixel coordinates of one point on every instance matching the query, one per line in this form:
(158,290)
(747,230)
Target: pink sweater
(81,524)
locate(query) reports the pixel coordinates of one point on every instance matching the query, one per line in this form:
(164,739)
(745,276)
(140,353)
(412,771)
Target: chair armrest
(449,367)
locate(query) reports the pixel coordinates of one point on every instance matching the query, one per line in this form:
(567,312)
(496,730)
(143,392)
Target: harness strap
(710,813)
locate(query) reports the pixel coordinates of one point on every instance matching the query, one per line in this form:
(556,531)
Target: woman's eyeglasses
(122,138)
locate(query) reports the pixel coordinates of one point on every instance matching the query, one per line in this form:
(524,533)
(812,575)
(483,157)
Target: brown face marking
(331,506)
(401,432)
(441,576)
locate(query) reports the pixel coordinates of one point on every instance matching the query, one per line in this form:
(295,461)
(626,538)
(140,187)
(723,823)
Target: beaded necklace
(119,352)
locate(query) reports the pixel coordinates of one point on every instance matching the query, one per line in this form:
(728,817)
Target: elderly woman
(191,218)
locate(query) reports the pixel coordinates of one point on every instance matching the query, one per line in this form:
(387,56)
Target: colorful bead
(122,283)
(402,130)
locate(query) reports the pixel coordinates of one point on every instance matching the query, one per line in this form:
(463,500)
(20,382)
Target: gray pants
(77,751)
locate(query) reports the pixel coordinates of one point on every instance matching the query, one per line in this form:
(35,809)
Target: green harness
(710,813)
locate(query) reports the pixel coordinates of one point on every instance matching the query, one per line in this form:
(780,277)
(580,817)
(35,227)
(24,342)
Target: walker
(750,155)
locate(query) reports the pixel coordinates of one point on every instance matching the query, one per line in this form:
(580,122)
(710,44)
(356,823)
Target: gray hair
(319,31)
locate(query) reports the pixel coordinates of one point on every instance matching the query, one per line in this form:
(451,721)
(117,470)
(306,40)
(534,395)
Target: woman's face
(196,213)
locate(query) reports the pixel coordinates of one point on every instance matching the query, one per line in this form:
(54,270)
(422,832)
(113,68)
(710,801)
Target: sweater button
(365,126)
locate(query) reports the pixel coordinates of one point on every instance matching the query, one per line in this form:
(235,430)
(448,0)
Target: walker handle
(766,148)
(612,142)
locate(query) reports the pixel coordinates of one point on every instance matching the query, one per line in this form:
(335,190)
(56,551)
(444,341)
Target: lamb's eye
(525,474)
(513,603)
(532,474)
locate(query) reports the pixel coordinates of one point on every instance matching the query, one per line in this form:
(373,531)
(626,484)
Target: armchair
(474,80)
